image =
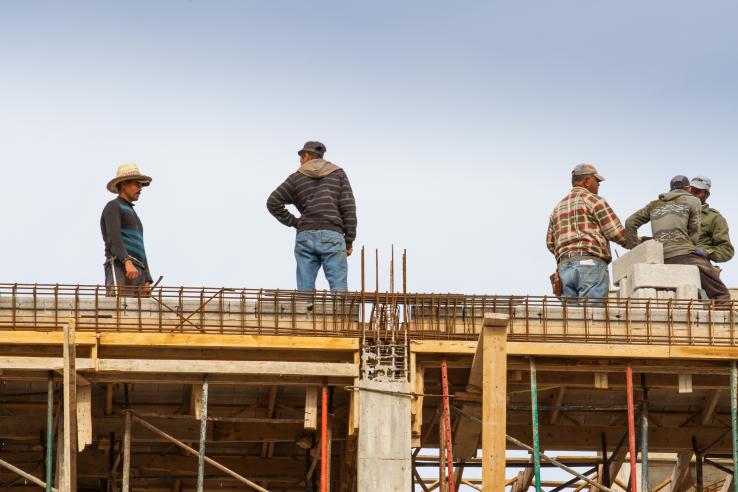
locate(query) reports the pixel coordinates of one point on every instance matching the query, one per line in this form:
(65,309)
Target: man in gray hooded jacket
(326,228)
(675,221)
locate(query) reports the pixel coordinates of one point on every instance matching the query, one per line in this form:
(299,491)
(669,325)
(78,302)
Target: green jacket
(714,237)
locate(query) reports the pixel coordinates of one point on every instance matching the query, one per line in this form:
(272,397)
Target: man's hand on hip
(131,270)
(349,251)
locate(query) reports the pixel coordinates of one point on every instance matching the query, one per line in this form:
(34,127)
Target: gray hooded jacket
(675,221)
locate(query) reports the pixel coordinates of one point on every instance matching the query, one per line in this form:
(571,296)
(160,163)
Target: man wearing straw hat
(126,265)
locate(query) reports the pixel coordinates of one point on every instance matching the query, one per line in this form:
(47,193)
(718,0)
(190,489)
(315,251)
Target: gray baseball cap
(313,147)
(585,169)
(679,182)
(701,183)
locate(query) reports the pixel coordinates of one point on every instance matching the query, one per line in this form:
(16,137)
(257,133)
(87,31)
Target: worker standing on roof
(126,265)
(714,242)
(579,233)
(676,222)
(326,228)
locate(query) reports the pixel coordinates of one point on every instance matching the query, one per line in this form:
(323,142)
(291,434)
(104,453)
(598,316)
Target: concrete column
(384,445)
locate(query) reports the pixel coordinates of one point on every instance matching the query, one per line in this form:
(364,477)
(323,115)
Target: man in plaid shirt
(579,234)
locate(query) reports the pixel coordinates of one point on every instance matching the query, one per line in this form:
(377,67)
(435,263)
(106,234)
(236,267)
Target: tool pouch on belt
(556,285)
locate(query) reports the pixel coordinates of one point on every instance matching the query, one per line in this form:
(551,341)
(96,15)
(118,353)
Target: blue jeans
(585,278)
(314,249)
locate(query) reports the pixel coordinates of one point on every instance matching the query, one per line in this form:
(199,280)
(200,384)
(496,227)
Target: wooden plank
(418,385)
(558,399)
(70,408)
(336,369)
(311,408)
(601,380)
(708,411)
(685,383)
(681,478)
(196,340)
(494,402)
(84,416)
(42,363)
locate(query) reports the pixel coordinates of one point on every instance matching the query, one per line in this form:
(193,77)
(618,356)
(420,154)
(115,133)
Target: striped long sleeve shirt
(322,194)
(122,233)
(583,224)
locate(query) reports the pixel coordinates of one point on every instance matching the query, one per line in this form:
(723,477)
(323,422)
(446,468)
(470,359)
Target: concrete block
(642,275)
(644,293)
(687,291)
(651,252)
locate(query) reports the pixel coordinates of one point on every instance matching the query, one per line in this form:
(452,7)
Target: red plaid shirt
(583,223)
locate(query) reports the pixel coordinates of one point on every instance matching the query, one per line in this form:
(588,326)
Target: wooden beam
(681,478)
(556,401)
(685,383)
(336,369)
(311,408)
(494,400)
(84,416)
(70,408)
(708,411)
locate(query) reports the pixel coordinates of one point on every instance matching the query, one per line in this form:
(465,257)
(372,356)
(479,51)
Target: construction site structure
(274,390)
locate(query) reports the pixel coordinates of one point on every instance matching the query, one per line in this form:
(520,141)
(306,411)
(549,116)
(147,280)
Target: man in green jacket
(714,242)
(675,222)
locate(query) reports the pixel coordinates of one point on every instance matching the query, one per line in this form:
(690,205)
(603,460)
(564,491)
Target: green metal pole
(734,418)
(534,415)
(50,432)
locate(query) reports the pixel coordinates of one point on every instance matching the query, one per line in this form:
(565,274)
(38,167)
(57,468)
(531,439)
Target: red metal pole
(631,427)
(447,426)
(324,441)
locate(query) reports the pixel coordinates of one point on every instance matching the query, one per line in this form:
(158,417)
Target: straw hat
(127,172)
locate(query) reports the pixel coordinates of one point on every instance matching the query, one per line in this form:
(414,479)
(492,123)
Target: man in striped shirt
(326,228)
(579,234)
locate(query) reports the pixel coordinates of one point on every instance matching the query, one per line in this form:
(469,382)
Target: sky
(458,125)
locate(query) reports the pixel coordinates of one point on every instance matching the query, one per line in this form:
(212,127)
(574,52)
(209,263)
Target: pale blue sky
(457,123)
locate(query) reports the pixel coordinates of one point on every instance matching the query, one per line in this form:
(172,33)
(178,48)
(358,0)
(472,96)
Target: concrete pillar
(384,445)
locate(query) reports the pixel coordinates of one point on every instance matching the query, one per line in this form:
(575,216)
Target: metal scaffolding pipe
(50,431)
(203,434)
(644,436)
(534,417)
(324,440)
(27,476)
(699,477)
(631,427)
(734,416)
(447,427)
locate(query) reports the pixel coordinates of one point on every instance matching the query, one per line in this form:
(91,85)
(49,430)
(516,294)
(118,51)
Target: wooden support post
(311,408)
(699,479)
(109,399)
(494,401)
(631,427)
(203,434)
(126,480)
(601,381)
(556,403)
(70,409)
(49,431)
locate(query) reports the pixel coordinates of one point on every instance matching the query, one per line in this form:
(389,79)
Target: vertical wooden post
(126,481)
(698,459)
(203,434)
(70,408)
(534,418)
(494,401)
(631,427)
(605,478)
(734,416)
(49,431)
